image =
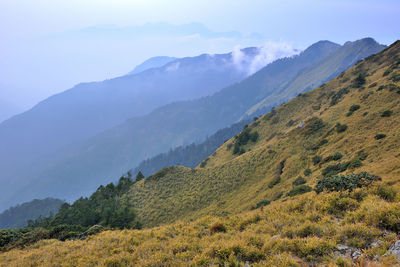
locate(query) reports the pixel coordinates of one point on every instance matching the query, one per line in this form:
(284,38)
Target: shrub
(316,160)
(345,182)
(254,137)
(335,169)
(387,72)
(307,172)
(386,192)
(229,146)
(395,77)
(336,156)
(355,163)
(217,228)
(359,81)
(336,97)
(298,190)
(340,127)
(274,181)
(309,229)
(387,113)
(354,108)
(299,181)
(380,136)
(337,204)
(262,203)
(314,124)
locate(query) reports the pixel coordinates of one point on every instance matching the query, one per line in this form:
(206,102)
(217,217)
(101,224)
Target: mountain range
(80,166)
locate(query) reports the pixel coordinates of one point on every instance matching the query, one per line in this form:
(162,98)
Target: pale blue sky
(38,57)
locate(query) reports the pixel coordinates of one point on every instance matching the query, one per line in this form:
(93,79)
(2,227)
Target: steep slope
(349,124)
(347,228)
(322,71)
(80,168)
(190,155)
(154,62)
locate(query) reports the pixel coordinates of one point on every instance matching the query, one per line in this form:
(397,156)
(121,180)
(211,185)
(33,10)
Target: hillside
(154,62)
(229,183)
(18,216)
(190,155)
(247,205)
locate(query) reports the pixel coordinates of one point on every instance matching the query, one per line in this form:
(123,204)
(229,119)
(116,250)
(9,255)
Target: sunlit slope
(289,138)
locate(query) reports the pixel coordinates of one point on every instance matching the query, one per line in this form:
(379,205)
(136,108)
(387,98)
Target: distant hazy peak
(153,62)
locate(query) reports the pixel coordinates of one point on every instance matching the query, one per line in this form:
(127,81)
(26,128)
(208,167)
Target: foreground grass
(304,230)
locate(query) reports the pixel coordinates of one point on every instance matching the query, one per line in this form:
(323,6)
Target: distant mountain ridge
(154,62)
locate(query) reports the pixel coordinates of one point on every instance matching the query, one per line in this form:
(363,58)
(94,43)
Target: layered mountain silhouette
(73,170)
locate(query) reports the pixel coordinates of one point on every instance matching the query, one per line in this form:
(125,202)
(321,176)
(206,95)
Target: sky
(49,46)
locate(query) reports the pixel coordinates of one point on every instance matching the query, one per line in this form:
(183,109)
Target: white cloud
(172,67)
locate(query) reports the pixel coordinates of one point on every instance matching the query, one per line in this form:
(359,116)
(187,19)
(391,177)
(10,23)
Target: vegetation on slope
(190,155)
(305,135)
(308,230)
(18,216)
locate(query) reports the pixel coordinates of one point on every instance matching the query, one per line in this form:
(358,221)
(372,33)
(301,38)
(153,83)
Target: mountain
(89,108)
(7,110)
(190,155)
(18,216)
(316,186)
(154,62)
(112,152)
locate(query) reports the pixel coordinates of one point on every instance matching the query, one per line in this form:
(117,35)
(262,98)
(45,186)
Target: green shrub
(354,107)
(359,81)
(313,125)
(299,181)
(262,203)
(298,190)
(387,72)
(387,113)
(335,169)
(229,146)
(340,127)
(380,136)
(345,182)
(316,160)
(307,172)
(336,156)
(355,163)
(336,97)
(274,181)
(395,77)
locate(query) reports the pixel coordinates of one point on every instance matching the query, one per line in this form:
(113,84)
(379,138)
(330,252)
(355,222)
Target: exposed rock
(395,249)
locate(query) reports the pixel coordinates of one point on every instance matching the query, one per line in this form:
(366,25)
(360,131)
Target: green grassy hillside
(290,139)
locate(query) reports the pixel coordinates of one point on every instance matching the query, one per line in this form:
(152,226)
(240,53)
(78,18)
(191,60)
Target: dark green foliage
(204,163)
(345,182)
(336,156)
(217,228)
(387,113)
(395,77)
(262,203)
(242,139)
(335,169)
(340,128)
(387,72)
(139,176)
(299,181)
(298,190)
(274,181)
(380,136)
(16,217)
(359,81)
(355,163)
(336,97)
(270,114)
(190,155)
(313,125)
(307,172)
(380,88)
(316,160)
(352,109)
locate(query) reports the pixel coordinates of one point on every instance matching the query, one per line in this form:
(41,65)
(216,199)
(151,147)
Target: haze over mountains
(90,108)
(68,172)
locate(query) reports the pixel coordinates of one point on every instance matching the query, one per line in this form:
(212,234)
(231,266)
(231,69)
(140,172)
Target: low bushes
(299,181)
(298,190)
(345,182)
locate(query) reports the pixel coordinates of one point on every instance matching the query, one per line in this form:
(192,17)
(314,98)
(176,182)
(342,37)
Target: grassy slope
(231,184)
(293,231)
